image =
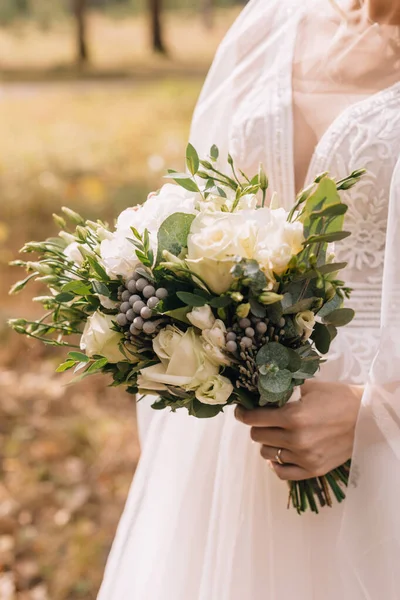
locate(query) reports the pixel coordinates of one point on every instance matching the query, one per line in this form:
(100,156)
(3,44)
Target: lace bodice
(365,135)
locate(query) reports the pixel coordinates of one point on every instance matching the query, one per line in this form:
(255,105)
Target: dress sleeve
(370,534)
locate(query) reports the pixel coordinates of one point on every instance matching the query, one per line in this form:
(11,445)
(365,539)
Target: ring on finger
(278,457)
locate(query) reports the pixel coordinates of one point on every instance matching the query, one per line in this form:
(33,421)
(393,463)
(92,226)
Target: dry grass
(68,453)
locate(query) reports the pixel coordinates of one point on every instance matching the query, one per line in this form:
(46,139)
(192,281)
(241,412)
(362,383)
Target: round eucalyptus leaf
(273,353)
(276,383)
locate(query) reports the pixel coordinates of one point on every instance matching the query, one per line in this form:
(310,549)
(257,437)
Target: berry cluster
(138,300)
(252,333)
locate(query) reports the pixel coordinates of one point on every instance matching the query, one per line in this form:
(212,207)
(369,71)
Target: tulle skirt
(207,519)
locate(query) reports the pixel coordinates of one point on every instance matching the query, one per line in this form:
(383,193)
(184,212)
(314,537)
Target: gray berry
(161,293)
(261,328)
(231,346)
(125,306)
(136,275)
(125,295)
(282,322)
(134,298)
(137,306)
(138,322)
(130,315)
(152,302)
(249,331)
(149,291)
(121,319)
(149,327)
(146,312)
(244,323)
(246,342)
(131,285)
(133,330)
(141,283)
(231,336)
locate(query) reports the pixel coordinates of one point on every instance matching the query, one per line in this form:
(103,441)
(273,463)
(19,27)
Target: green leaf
(77,287)
(276,383)
(332,210)
(339,317)
(179,314)
(274,399)
(214,152)
(307,370)
(330,306)
(100,288)
(221,192)
(273,353)
(160,404)
(321,338)
(220,301)
(256,308)
(68,364)
(191,299)
(295,360)
(173,234)
(204,411)
(64,297)
(187,184)
(98,269)
(305,304)
(192,159)
(78,356)
(97,365)
(334,236)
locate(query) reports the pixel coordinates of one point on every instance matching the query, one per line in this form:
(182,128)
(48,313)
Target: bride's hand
(316,434)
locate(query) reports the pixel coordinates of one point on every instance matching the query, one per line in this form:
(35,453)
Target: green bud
(243,310)
(262,178)
(221,313)
(206,164)
(41,268)
(82,233)
(329,291)
(202,175)
(313,260)
(321,176)
(34,247)
(59,221)
(237,296)
(230,160)
(319,284)
(269,298)
(19,325)
(73,216)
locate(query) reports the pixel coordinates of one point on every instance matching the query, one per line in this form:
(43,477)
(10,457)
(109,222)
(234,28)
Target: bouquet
(202,295)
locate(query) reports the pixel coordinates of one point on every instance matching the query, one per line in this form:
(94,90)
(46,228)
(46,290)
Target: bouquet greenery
(203,295)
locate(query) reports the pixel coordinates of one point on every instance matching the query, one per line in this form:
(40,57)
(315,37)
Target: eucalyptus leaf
(191,299)
(273,353)
(100,288)
(77,287)
(339,317)
(214,152)
(276,383)
(204,411)
(220,301)
(173,234)
(321,337)
(333,304)
(334,236)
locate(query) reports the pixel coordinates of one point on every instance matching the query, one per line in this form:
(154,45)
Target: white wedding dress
(206,519)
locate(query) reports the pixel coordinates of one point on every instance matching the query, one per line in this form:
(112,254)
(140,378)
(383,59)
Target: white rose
(201,317)
(118,256)
(170,199)
(305,322)
(214,342)
(215,239)
(166,342)
(215,391)
(184,363)
(98,337)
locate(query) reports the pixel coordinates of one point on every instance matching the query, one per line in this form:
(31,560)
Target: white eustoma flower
(214,342)
(73,253)
(215,390)
(305,322)
(98,337)
(201,317)
(184,363)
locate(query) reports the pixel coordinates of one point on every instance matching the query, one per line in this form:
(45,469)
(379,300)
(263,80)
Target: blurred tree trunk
(207,10)
(155,8)
(79,8)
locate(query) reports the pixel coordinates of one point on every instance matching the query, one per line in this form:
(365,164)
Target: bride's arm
(316,434)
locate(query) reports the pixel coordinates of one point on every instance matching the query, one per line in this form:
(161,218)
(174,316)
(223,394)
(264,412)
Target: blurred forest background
(96,98)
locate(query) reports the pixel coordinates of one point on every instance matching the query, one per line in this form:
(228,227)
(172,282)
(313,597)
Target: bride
(303,86)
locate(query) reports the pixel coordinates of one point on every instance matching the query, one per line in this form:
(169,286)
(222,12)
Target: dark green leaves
(339,317)
(191,299)
(173,234)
